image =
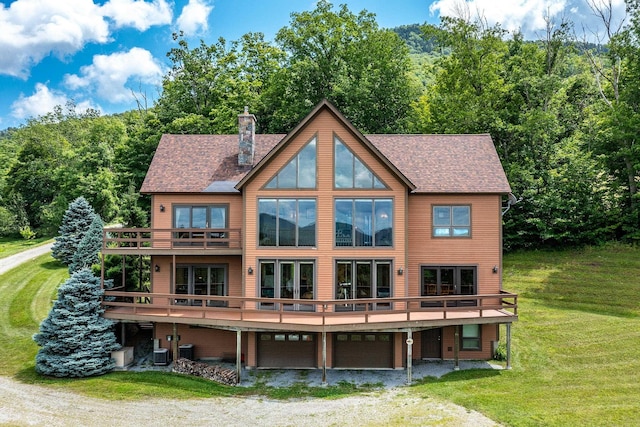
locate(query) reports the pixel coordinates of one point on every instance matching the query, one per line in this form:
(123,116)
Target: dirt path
(13,261)
(24,404)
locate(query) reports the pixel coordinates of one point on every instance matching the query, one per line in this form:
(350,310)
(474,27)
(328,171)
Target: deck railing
(171,238)
(306,310)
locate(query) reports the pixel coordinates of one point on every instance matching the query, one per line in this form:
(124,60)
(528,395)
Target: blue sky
(104,53)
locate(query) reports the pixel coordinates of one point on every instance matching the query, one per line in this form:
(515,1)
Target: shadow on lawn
(52,265)
(462,375)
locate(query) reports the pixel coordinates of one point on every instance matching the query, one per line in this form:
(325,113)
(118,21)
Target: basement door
(432,343)
(363,350)
(286,350)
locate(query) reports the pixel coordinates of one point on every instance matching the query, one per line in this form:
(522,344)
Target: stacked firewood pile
(199,369)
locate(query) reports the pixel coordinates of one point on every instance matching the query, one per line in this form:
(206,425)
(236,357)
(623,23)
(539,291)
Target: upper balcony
(183,241)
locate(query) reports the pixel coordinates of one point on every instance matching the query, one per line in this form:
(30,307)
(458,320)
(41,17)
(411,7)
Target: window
(452,221)
(363,222)
(300,172)
(470,338)
(350,172)
(356,279)
(201,216)
(286,222)
(210,280)
(287,279)
(449,280)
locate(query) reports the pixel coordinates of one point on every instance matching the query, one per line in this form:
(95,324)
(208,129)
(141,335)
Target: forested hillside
(564,116)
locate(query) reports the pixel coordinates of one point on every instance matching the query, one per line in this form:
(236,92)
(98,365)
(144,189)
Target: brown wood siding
(483,249)
(324,127)
(488,335)
(207,342)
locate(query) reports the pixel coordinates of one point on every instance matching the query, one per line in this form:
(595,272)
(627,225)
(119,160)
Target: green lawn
(10,246)
(26,295)
(575,348)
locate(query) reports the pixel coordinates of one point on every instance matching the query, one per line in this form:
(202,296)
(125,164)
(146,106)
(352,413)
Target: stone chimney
(247,130)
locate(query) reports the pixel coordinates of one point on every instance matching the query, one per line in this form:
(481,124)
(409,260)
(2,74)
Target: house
(322,248)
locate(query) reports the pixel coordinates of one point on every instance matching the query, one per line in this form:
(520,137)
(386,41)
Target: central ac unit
(161,356)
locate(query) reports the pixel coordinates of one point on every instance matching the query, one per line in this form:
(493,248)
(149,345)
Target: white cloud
(194,17)
(42,102)
(525,15)
(108,74)
(138,13)
(33,29)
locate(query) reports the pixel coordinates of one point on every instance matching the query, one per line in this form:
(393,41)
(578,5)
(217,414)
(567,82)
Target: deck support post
(409,355)
(324,358)
(124,273)
(174,342)
(238,355)
(456,349)
(102,272)
(508,345)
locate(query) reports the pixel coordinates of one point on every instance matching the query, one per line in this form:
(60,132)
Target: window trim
(451,226)
(353,186)
(277,219)
(457,279)
(191,296)
(477,338)
(297,285)
(373,225)
(374,289)
(176,206)
(295,158)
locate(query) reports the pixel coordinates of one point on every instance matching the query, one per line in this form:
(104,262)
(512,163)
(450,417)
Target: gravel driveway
(13,261)
(24,404)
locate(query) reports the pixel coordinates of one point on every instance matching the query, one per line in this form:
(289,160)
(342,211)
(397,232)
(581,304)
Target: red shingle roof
(191,163)
(433,163)
(445,163)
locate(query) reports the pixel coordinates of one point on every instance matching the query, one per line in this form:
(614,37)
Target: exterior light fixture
(250,270)
(495,269)
(161,208)
(157,268)
(400,271)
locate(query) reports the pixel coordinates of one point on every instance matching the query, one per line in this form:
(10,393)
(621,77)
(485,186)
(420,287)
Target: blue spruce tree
(75,340)
(75,223)
(89,247)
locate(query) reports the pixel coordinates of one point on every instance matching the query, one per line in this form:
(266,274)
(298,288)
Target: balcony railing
(171,238)
(315,313)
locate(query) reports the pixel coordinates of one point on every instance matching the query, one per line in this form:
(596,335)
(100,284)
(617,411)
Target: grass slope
(26,296)
(10,246)
(575,346)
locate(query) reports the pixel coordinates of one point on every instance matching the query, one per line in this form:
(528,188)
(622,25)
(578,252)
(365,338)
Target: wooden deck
(183,241)
(245,314)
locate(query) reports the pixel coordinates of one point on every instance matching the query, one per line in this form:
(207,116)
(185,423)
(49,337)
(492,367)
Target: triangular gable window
(350,172)
(300,172)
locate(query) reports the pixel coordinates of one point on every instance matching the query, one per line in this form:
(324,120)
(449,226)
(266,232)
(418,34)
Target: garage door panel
(286,350)
(363,350)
